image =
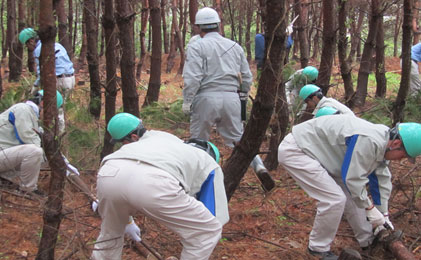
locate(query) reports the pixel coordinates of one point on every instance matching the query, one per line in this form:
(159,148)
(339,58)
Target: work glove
(186,108)
(95,205)
(375,217)
(133,231)
(387,225)
(70,168)
(290,30)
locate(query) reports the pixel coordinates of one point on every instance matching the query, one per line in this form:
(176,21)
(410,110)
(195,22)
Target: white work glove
(133,231)
(387,223)
(95,205)
(375,217)
(289,30)
(186,108)
(71,169)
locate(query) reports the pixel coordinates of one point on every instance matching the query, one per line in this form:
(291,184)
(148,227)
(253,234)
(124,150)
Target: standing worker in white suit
(159,175)
(216,75)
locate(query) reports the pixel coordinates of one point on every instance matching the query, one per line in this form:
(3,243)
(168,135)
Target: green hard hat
(410,134)
(27,34)
(311,72)
(307,90)
(59,97)
(206,146)
(122,124)
(326,111)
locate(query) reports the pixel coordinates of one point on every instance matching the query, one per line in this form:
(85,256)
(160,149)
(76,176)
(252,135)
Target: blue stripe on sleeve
(373,183)
(12,121)
(350,142)
(207,193)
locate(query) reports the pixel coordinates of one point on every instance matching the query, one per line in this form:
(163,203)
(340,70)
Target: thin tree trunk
(12,42)
(164,26)
(316,39)
(249,16)
(400,102)
(125,22)
(367,56)
(342,48)
(173,49)
(21,26)
(143,25)
(63,34)
(4,45)
(240,20)
(380,60)
(70,32)
(53,207)
(75,30)
(243,153)
(301,8)
(415,13)
(92,57)
(152,94)
(356,32)
(193,8)
(328,51)
(84,48)
(108,23)
(218,8)
(398,24)
(183,19)
(178,37)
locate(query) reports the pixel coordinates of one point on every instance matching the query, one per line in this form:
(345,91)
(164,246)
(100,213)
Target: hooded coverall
(294,84)
(331,102)
(159,175)
(21,153)
(211,81)
(332,158)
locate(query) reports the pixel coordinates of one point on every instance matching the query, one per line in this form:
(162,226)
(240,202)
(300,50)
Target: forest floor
(273,225)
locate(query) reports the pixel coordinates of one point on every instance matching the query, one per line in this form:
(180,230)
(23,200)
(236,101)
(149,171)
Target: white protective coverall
(159,175)
(211,81)
(21,153)
(293,86)
(332,158)
(331,102)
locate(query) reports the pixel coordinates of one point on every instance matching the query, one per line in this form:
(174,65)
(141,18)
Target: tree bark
(70,32)
(218,8)
(178,38)
(316,45)
(396,33)
(328,51)
(356,32)
(89,12)
(367,56)
(108,22)
(173,49)
(21,26)
(4,44)
(52,209)
(249,16)
(152,94)
(243,153)
(144,17)
(380,60)
(342,51)
(400,102)
(14,70)
(63,34)
(164,26)
(301,8)
(415,13)
(84,47)
(125,20)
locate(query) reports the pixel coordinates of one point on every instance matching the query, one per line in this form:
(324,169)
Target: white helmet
(207,18)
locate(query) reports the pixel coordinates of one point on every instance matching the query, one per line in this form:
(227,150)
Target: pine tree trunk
(63,34)
(152,94)
(243,153)
(328,51)
(70,32)
(367,56)
(356,32)
(249,16)
(380,60)
(53,207)
(14,70)
(406,62)
(4,44)
(342,51)
(92,57)
(301,8)
(144,17)
(125,22)
(397,27)
(164,26)
(173,49)
(178,37)
(108,23)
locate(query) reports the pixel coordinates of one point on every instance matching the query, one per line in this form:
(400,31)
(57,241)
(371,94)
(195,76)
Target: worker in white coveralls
(21,154)
(159,175)
(64,68)
(315,100)
(216,72)
(297,80)
(332,158)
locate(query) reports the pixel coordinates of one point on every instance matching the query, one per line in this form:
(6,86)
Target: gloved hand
(95,205)
(186,108)
(387,221)
(133,231)
(290,30)
(375,217)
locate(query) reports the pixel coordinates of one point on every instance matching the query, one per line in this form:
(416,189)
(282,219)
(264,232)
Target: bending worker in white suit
(332,158)
(159,175)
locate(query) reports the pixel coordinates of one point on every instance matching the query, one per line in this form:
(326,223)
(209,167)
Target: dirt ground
(273,225)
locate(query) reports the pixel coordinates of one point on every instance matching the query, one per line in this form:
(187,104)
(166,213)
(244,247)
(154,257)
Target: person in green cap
(315,100)
(299,79)
(333,158)
(166,179)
